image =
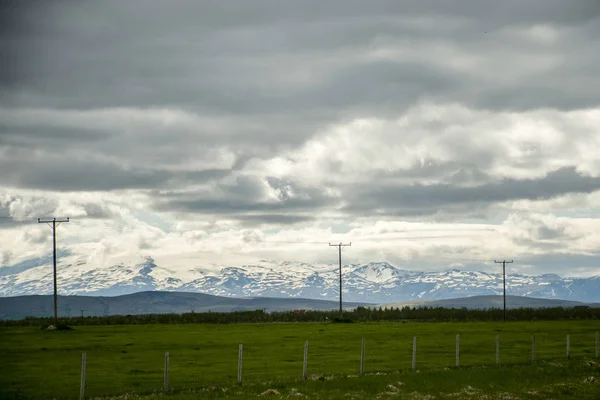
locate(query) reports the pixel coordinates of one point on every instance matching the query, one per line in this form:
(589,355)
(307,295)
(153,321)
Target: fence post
(568,346)
(596,344)
(166,384)
(414,357)
(304,365)
(240,357)
(457,350)
(497,349)
(533,349)
(362,357)
(82,386)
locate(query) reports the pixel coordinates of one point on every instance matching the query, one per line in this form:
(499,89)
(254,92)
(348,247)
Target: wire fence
(94,374)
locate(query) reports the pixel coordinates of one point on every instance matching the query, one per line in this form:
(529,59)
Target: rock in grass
(270,392)
(59,327)
(295,393)
(392,388)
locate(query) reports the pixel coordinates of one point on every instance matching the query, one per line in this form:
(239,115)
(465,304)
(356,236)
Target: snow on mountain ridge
(378,272)
(373,282)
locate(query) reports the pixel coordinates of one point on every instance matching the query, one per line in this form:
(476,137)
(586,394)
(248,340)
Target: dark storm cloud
(77,175)
(246,200)
(273,219)
(358,88)
(234,57)
(264,77)
(54,138)
(406,200)
(220,59)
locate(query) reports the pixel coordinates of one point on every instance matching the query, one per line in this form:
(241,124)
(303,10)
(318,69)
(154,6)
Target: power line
(55,222)
(504,262)
(340,246)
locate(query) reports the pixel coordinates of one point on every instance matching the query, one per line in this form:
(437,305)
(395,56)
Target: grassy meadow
(130,358)
(544,381)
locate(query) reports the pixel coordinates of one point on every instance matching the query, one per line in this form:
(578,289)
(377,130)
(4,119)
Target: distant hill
(155,302)
(485,302)
(152,303)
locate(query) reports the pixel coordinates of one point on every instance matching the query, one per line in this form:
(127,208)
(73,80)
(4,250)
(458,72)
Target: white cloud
(427,136)
(522,145)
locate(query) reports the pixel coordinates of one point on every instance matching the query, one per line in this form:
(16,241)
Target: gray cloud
(230,110)
(565,264)
(274,219)
(246,199)
(266,78)
(291,68)
(99,211)
(68,174)
(406,200)
(237,58)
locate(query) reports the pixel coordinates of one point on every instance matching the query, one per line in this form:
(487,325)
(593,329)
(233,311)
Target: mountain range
(376,282)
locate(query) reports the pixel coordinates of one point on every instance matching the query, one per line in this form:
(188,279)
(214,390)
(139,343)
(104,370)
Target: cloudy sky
(429,134)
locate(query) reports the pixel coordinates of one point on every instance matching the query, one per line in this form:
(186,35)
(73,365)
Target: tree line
(361,314)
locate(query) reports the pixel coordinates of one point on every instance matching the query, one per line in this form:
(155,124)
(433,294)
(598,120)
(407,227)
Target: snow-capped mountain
(376,282)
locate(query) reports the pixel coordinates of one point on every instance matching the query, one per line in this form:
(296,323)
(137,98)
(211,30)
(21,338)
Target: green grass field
(130,359)
(544,381)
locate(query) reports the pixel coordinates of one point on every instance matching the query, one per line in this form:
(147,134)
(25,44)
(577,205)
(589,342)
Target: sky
(429,134)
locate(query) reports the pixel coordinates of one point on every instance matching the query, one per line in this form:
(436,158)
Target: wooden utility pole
(504,262)
(53,223)
(339,246)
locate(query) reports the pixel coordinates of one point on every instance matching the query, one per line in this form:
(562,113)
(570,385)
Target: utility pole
(504,262)
(339,246)
(53,223)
